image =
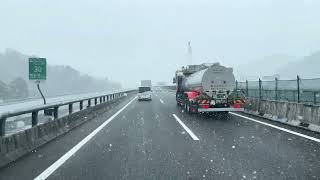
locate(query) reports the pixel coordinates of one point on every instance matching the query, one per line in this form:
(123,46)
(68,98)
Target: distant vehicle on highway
(144,93)
(146,83)
(207,88)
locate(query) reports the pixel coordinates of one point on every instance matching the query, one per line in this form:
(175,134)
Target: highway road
(157,140)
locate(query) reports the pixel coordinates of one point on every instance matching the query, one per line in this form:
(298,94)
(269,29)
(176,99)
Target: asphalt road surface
(157,140)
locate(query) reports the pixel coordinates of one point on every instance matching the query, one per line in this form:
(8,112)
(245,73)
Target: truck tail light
(205,106)
(237,106)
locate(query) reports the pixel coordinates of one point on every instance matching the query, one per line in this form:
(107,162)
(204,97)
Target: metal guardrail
(21,100)
(53,109)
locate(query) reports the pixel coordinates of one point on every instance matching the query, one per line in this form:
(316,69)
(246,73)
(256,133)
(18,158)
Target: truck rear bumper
(220,109)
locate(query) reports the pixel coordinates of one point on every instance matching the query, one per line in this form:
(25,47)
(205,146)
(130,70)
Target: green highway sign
(37,69)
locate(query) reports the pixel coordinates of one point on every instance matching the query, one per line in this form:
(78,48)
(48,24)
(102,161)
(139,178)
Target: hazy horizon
(127,41)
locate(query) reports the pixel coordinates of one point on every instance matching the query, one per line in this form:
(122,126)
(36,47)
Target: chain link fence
(297,90)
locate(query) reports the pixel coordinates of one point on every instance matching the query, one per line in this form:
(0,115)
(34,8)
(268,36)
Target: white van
(144,93)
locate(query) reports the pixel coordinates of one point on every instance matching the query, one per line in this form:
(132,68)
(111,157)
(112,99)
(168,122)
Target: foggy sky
(129,40)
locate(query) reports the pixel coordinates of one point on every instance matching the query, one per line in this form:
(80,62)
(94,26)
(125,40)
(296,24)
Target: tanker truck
(207,88)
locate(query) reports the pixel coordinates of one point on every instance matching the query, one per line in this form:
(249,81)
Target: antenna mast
(189,53)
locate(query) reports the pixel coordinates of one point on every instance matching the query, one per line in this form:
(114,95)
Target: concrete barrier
(295,114)
(16,145)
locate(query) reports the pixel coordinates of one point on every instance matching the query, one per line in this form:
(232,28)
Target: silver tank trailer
(211,80)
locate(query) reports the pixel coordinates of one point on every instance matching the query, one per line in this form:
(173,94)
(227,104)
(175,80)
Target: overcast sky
(130,40)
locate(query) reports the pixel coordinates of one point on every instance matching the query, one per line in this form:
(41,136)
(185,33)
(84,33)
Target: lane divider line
(194,137)
(45,174)
(161,101)
(277,127)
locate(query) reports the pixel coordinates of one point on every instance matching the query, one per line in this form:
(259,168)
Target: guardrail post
(2,126)
(89,102)
(70,108)
(276,88)
(95,101)
(34,118)
(81,105)
(100,100)
(55,112)
(298,88)
(260,87)
(237,88)
(247,88)
(104,99)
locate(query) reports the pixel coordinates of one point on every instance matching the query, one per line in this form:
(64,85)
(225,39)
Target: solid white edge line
(194,137)
(161,101)
(45,174)
(277,127)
